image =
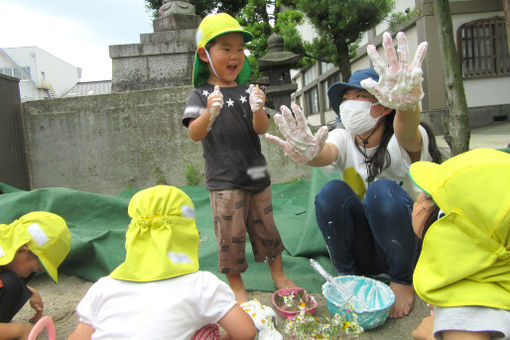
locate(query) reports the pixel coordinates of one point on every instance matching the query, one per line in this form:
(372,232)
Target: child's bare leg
(236,283)
(279,278)
(404,299)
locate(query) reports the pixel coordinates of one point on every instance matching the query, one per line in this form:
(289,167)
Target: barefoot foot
(404,300)
(283,282)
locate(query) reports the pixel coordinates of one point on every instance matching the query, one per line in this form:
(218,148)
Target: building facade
(41,74)
(481,40)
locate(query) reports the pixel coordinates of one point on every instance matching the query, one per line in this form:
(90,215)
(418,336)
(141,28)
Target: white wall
(61,75)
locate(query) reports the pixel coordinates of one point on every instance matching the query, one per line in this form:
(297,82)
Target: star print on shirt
(243,99)
(230,102)
(205,93)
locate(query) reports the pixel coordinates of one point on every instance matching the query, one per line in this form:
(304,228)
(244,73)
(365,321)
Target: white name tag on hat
(38,234)
(187,211)
(179,257)
(2,253)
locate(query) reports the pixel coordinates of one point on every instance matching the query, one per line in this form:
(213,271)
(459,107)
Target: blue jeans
(370,237)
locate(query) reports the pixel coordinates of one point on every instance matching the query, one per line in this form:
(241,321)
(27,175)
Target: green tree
(339,25)
(456,123)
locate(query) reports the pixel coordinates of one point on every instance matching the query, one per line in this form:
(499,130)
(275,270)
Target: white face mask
(355,116)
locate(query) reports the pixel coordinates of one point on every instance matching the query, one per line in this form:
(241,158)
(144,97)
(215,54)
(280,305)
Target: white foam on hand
(299,143)
(264,318)
(400,83)
(257,98)
(214,104)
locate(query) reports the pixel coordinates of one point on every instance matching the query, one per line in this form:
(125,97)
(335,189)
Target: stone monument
(277,64)
(163,58)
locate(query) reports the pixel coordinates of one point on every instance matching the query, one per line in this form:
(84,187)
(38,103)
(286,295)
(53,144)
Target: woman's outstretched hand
(400,84)
(299,143)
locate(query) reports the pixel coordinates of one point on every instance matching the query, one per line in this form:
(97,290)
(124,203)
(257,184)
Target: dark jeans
(13,295)
(370,237)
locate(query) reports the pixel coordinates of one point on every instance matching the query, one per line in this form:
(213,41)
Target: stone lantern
(277,64)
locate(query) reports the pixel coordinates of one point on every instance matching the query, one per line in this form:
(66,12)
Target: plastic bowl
(300,295)
(371,299)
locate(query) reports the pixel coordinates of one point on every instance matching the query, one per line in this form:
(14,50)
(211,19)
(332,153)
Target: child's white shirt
(168,309)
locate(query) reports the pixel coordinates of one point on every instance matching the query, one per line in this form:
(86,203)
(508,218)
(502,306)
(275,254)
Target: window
(310,75)
(312,101)
(27,72)
(329,81)
(483,48)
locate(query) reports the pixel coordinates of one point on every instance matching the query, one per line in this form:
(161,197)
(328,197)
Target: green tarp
(98,224)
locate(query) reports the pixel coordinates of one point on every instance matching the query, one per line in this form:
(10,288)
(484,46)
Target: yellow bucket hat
(45,234)
(211,27)
(465,258)
(162,238)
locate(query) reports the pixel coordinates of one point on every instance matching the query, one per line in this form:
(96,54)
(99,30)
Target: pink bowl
(300,295)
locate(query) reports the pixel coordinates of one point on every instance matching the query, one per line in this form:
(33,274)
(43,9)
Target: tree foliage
(339,24)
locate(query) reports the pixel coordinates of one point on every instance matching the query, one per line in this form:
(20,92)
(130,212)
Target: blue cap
(336,90)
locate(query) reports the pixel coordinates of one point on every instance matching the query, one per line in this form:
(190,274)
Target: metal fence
(13,163)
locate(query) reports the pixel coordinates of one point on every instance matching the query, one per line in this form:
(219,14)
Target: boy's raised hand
(299,143)
(400,84)
(257,98)
(214,104)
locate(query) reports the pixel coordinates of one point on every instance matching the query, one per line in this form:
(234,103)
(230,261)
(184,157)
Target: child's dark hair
(210,44)
(381,159)
(431,218)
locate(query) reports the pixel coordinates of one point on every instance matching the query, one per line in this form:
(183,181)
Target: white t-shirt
(169,309)
(350,157)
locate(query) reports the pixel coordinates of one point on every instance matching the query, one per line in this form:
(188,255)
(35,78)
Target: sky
(76,31)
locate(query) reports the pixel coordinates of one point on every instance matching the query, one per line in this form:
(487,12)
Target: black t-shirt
(232,152)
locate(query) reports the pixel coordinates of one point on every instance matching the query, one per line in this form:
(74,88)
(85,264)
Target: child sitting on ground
(235,168)
(158,291)
(464,266)
(36,242)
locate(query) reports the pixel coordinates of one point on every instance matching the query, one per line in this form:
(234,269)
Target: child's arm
(82,331)
(37,304)
(257,102)
(238,325)
(14,330)
(199,128)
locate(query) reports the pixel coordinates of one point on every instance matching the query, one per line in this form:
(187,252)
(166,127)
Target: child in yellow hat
(227,117)
(36,242)
(464,267)
(158,291)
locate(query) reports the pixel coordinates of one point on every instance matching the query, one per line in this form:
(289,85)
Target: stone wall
(110,143)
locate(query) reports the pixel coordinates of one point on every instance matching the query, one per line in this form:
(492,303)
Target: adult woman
(366,218)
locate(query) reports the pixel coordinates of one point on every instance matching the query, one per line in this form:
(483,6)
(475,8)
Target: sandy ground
(60,301)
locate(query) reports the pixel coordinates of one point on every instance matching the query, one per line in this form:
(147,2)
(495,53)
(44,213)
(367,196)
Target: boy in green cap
(36,242)
(235,168)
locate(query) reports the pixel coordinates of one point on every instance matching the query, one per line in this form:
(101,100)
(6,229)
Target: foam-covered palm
(299,144)
(257,98)
(214,104)
(400,83)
